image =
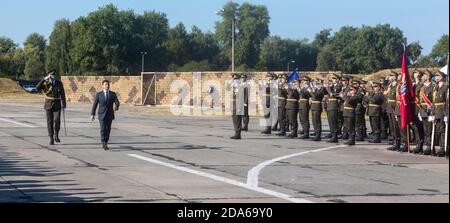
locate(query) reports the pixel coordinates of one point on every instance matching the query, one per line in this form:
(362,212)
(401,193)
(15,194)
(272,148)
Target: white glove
(431,118)
(420,117)
(48,77)
(445,119)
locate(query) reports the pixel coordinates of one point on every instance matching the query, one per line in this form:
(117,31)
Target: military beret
(319,80)
(235,76)
(244,75)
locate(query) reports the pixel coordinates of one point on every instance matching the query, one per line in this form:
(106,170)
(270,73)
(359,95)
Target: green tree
(440,51)
(152,32)
(7,48)
(322,38)
(414,52)
(326,59)
(178,45)
(252,25)
(58,50)
(202,46)
(34,67)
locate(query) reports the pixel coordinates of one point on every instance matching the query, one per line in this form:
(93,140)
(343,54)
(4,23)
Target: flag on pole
(294,76)
(407,93)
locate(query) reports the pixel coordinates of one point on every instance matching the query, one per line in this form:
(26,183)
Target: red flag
(407,94)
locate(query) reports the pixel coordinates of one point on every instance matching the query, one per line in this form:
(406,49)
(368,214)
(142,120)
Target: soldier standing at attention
(391,97)
(384,115)
(425,114)
(345,88)
(360,112)
(332,107)
(282,97)
(267,105)
(304,105)
(292,108)
(417,124)
(351,100)
(317,95)
(237,103)
(246,88)
(375,101)
(55,100)
(439,101)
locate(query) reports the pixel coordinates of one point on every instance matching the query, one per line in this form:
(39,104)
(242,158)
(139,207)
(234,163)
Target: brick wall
(129,89)
(84,88)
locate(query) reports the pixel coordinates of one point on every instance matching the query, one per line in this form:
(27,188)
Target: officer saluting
(351,101)
(317,95)
(55,100)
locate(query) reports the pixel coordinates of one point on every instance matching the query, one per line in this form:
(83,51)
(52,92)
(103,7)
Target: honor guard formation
(346,101)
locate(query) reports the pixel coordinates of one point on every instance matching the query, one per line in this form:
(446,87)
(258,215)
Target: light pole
(222,13)
(143,57)
(288,68)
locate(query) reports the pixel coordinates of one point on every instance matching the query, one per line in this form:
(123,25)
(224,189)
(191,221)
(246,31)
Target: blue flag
(294,76)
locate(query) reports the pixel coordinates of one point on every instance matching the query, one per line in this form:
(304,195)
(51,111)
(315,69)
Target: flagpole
(407,139)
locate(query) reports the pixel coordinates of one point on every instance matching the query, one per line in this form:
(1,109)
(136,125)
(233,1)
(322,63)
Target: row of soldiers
(347,101)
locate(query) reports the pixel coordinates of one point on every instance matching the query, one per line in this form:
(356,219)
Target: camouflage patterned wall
(84,88)
(128,88)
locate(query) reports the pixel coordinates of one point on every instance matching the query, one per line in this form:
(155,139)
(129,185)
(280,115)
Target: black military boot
(329,136)
(403,148)
(396,146)
(351,140)
(268,131)
(282,133)
(301,132)
(383,136)
(292,135)
(305,135)
(237,135)
(344,135)
(57,139)
(334,139)
(427,151)
(360,137)
(377,138)
(418,149)
(245,128)
(317,137)
(52,141)
(441,152)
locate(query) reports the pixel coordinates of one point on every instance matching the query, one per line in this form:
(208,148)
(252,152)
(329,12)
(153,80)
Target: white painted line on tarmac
(253,174)
(224,180)
(17,123)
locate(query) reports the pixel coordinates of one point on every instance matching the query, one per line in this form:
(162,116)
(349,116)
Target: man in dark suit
(55,101)
(108,104)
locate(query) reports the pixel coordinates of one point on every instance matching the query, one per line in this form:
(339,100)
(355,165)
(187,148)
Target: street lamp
(222,13)
(288,68)
(143,56)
